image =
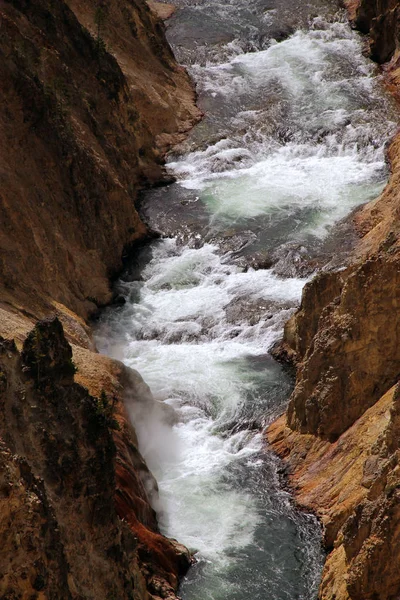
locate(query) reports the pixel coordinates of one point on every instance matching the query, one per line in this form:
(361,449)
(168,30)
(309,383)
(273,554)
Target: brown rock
(352,486)
(381,20)
(92,98)
(340,439)
(343,371)
(86,90)
(164,10)
(75,516)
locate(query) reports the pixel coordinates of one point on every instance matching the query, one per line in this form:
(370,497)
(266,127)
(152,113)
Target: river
(293,138)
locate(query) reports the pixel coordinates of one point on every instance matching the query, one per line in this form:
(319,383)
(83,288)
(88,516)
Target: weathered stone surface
(342,369)
(47,355)
(341,436)
(91,98)
(381,20)
(352,484)
(34,560)
(75,516)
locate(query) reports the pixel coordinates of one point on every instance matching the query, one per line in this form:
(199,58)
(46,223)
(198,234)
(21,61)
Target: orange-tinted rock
(352,485)
(32,558)
(92,97)
(381,20)
(75,517)
(342,369)
(341,437)
(164,10)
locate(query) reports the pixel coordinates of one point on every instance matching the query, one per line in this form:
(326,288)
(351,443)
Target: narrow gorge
(164,213)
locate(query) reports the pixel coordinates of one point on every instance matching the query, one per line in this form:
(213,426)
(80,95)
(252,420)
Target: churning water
(292,140)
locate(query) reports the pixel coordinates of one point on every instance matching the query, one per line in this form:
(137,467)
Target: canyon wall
(340,438)
(91,100)
(74,512)
(380,19)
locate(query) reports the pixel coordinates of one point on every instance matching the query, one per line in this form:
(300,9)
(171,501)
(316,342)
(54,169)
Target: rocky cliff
(380,19)
(91,98)
(74,513)
(340,438)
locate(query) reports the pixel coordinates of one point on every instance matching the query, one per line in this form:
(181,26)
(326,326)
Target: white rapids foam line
(189,292)
(330,175)
(182,288)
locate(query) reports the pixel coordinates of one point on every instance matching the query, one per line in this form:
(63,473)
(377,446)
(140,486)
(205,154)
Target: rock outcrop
(75,516)
(342,370)
(381,20)
(340,438)
(91,99)
(353,485)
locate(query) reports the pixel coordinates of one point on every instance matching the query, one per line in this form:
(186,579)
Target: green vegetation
(106,409)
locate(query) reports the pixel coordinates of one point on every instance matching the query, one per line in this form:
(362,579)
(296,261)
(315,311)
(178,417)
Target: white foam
(334,159)
(187,295)
(202,379)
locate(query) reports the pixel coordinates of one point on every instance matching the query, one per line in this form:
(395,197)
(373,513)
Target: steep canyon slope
(91,99)
(74,512)
(340,436)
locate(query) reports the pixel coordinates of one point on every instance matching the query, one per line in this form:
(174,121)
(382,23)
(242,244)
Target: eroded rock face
(381,20)
(348,352)
(341,435)
(91,98)
(66,460)
(29,531)
(371,537)
(353,485)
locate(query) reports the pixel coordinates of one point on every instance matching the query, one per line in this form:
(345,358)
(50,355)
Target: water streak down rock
(340,437)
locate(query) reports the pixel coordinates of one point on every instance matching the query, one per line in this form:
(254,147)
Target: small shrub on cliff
(106,409)
(100,18)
